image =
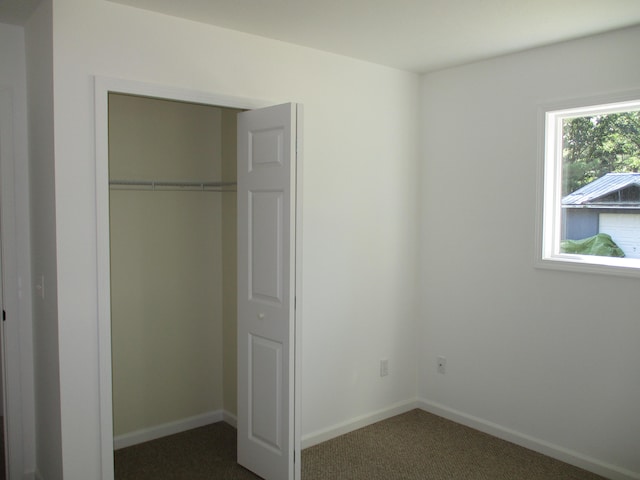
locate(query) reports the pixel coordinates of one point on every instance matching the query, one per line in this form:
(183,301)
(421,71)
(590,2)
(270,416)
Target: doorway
(172,172)
(264,135)
(16,310)
(5,153)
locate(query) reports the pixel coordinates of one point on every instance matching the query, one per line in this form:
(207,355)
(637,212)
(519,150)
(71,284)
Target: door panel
(266,394)
(266,290)
(266,246)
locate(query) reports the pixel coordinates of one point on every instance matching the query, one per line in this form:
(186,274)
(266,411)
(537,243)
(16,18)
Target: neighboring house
(610,204)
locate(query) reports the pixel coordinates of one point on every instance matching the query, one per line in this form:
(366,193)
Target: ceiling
(415,35)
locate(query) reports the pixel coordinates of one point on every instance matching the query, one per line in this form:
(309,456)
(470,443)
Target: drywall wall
(16,267)
(359,200)
(546,356)
(47,344)
(167,283)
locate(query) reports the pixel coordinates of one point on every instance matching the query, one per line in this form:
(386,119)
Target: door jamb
(102,87)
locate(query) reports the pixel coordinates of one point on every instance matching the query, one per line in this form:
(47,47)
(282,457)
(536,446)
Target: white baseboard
(230,418)
(585,462)
(355,423)
(158,431)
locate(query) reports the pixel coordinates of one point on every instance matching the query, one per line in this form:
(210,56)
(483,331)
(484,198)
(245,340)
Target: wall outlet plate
(384,367)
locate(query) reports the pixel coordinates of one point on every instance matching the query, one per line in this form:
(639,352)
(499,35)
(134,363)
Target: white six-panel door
(266,290)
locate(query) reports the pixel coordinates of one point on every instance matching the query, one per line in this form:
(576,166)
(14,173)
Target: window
(591,188)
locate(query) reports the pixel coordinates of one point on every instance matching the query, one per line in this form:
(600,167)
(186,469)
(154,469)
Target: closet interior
(172,170)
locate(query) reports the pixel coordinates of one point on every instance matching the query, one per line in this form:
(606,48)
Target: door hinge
(4,315)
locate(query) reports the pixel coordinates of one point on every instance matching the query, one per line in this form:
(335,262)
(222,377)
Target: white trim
(591,264)
(566,455)
(548,198)
(102,87)
(297,419)
(105,85)
(171,428)
(355,423)
(230,418)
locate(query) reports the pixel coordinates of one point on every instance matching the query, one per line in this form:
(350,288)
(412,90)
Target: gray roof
(605,185)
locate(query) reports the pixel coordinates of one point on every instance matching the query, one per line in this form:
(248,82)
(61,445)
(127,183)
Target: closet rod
(165,185)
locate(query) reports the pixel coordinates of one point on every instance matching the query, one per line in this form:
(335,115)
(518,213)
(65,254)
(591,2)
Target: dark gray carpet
(412,446)
(202,453)
(421,446)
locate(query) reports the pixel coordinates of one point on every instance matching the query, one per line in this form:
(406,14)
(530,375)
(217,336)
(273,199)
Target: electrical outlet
(384,367)
(442,365)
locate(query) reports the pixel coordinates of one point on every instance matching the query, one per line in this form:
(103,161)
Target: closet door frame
(103,86)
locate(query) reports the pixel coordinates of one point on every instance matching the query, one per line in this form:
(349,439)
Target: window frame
(549,209)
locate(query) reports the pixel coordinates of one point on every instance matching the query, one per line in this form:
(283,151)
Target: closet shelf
(172,185)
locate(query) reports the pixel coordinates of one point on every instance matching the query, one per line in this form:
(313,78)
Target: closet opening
(173,268)
(268,143)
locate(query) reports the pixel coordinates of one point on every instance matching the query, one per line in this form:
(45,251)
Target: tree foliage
(599,144)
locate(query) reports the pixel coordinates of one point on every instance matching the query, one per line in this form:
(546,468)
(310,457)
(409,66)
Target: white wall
(360,202)
(15,243)
(545,356)
(38,33)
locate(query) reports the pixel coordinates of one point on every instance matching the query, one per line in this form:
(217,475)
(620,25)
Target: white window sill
(625,267)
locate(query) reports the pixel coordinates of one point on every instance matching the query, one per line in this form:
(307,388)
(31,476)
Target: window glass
(592,185)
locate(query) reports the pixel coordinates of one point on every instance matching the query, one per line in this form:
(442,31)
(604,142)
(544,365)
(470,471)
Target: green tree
(599,144)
